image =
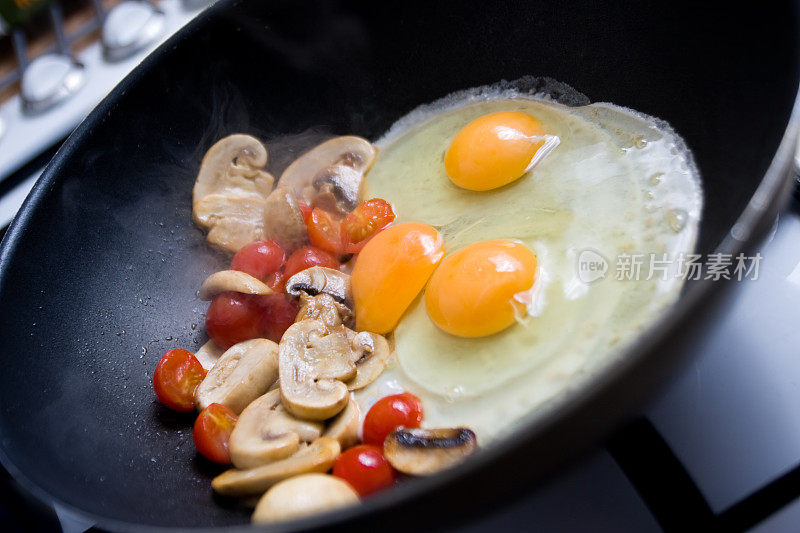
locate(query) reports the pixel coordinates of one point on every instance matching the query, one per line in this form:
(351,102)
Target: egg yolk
(390,271)
(471,294)
(493,150)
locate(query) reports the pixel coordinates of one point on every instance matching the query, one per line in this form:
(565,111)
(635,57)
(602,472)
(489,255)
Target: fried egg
(616,183)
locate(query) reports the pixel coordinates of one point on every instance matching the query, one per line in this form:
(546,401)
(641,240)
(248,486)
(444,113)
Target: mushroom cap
(283,221)
(243,373)
(208,354)
(322,280)
(265,432)
(331,173)
(344,427)
(426,451)
(323,307)
(233,165)
(232,220)
(303,496)
(232,280)
(313,361)
(316,457)
(230,192)
(375,353)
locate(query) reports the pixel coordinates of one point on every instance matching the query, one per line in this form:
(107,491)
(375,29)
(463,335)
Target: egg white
(616,184)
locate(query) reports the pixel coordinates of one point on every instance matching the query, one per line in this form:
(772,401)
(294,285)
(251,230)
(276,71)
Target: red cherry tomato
(365,468)
(276,281)
(305,209)
(176,377)
(280,312)
(259,258)
(306,257)
(234,317)
(389,413)
(324,232)
(212,431)
(363,222)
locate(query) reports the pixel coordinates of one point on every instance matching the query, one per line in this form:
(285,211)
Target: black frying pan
(98,273)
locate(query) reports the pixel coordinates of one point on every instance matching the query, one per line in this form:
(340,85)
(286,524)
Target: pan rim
(771,195)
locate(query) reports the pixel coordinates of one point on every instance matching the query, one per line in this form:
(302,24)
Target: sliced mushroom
(231,190)
(375,352)
(316,457)
(323,307)
(265,432)
(243,373)
(208,354)
(303,496)
(330,174)
(233,164)
(232,280)
(318,280)
(232,220)
(283,220)
(344,427)
(313,362)
(426,451)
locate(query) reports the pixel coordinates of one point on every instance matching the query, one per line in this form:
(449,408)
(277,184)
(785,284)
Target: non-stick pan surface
(98,273)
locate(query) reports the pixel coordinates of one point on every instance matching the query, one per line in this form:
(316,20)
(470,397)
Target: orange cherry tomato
(365,468)
(259,258)
(175,379)
(212,431)
(363,222)
(324,231)
(388,414)
(391,271)
(307,257)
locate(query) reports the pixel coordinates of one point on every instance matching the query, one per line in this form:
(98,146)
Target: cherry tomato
(363,222)
(212,431)
(305,209)
(324,232)
(276,281)
(234,317)
(259,258)
(280,312)
(389,413)
(176,377)
(365,468)
(306,257)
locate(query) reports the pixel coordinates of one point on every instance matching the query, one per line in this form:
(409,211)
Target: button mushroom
(330,174)
(323,307)
(374,354)
(316,457)
(318,280)
(313,362)
(231,190)
(344,427)
(427,451)
(265,432)
(243,373)
(283,220)
(232,280)
(208,354)
(303,496)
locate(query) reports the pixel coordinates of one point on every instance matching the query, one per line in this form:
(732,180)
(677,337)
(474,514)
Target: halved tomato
(175,379)
(212,431)
(360,225)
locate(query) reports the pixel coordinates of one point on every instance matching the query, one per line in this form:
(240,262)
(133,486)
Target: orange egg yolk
(391,271)
(493,150)
(471,294)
